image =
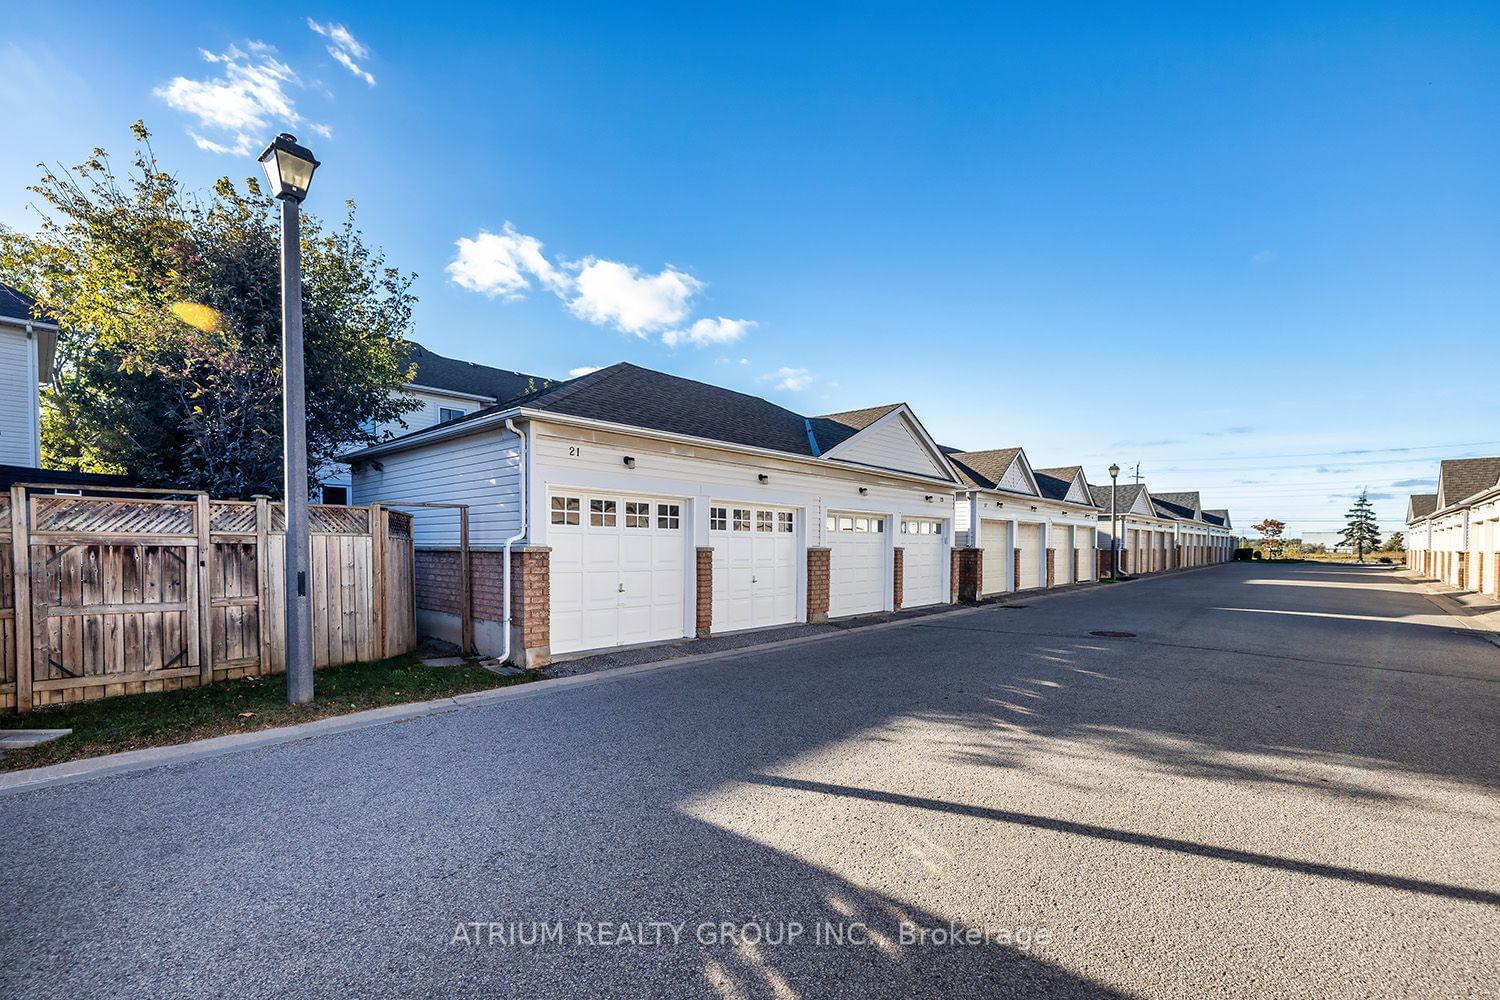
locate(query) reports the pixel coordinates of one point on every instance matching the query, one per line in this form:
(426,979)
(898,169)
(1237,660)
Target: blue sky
(1217,242)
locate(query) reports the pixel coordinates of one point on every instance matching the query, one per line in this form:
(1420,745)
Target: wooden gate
(102,596)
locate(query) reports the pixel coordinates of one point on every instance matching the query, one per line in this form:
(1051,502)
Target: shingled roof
(982,469)
(1125,496)
(833,429)
(1461,478)
(17,305)
(1218,515)
(1190,501)
(1166,508)
(1420,505)
(1055,483)
(437,372)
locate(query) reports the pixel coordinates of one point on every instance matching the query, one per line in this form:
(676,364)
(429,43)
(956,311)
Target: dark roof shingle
(1461,478)
(982,469)
(1056,482)
(17,305)
(437,372)
(833,429)
(1422,504)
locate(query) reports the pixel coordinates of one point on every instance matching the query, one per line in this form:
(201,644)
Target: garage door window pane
(718,518)
(602,513)
(741,520)
(637,514)
(861,524)
(846,524)
(564,510)
(668,515)
(784,521)
(877,524)
(764,521)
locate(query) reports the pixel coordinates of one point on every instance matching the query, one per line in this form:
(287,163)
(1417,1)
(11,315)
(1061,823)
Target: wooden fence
(119,594)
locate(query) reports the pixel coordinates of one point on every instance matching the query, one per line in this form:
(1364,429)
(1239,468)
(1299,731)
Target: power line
(1348,452)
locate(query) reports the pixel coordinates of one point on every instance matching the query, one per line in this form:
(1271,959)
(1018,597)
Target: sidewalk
(1479,611)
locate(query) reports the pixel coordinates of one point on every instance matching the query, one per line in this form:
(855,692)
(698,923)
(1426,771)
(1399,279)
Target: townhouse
(1027,528)
(1453,535)
(629,506)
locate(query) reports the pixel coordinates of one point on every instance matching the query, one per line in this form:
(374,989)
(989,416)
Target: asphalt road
(1287,785)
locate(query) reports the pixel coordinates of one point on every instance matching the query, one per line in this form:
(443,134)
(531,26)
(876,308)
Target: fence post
(263,578)
(205,604)
(20,553)
(378,535)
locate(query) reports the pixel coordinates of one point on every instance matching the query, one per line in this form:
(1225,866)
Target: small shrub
(1243,555)
(1255,555)
(1385,559)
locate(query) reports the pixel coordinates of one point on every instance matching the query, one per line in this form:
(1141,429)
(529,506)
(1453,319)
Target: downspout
(523,470)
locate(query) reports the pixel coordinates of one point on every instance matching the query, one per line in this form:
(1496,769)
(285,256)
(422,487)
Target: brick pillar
(817,584)
(1125,561)
(967,580)
(1460,570)
(1051,567)
(531,606)
(1015,571)
(898,570)
(705,625)
(1077,561)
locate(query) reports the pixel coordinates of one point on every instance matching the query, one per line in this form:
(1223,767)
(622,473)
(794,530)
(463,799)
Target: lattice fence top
(327,519)
(100,514)
(400,524)
(235,518)
(4,511)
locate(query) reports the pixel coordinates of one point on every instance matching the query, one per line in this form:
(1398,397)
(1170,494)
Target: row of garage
(629,507)
(622,565)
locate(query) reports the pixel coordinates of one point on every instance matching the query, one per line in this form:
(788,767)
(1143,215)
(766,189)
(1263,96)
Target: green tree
(1396,543)
(169,358)
(1362,532)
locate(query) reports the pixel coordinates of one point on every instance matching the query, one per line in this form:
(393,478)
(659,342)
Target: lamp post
(289,168)
(1114,530)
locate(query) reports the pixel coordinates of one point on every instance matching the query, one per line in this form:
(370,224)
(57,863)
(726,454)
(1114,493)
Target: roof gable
(1419,506)
(1065,483)
(997,469)
(1461,478)
(887,437)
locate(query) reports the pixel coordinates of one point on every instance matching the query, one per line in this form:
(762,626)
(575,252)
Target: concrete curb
(138,760)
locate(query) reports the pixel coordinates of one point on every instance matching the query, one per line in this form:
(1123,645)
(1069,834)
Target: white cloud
(585,370)
(345,48)
(601,292)
(243,101)
(503,265)
(611,293)
(1263,257)
(792,379)
(709,331)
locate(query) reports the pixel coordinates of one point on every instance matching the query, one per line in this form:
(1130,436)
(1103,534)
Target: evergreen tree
(1363,531)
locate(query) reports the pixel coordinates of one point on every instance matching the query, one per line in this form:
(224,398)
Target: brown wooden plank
(262,590)
(350,610)
(205,570)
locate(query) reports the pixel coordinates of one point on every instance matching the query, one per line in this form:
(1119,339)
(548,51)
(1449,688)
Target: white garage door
(1088,560)
(755,566)
(1060,541)
(856,574)
(619,567)
(1029,543)
(922,562)
(994,537)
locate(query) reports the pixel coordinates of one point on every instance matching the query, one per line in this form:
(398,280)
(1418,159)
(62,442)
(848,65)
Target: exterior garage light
(763,478)
(863,490)
(629,461)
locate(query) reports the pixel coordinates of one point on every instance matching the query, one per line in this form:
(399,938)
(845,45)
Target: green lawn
(129,722)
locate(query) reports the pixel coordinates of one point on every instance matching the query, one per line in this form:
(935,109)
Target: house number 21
(574,451)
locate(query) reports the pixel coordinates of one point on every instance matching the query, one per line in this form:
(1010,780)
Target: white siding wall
(430,415)
(18,398)
(481,470)
(892,446)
